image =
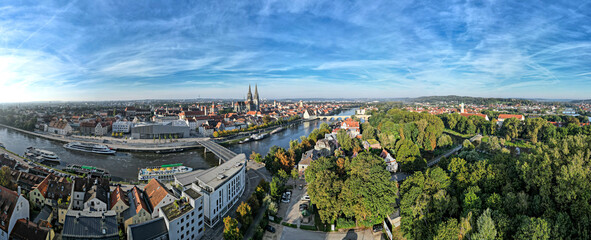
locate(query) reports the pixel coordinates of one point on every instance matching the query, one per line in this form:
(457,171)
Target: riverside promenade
(125,145)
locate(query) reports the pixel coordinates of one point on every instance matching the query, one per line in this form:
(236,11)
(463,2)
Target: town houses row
(178,122)
(92,208)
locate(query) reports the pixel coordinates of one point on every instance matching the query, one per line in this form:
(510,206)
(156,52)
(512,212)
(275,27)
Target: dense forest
(532,129)
(487,193)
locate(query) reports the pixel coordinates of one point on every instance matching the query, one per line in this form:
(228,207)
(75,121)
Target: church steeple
(256,96)
(249,95)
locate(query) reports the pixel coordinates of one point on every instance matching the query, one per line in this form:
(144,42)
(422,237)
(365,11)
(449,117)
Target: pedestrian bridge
(222,153)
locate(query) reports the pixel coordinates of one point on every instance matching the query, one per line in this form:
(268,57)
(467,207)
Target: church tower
(256,97)
(249,95)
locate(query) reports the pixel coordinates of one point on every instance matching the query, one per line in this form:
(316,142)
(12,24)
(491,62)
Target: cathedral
(251,103)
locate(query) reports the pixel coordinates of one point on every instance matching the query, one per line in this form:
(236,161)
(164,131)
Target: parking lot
(290,212)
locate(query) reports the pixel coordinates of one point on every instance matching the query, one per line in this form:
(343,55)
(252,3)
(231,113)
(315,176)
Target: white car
(286,197)
(306,197)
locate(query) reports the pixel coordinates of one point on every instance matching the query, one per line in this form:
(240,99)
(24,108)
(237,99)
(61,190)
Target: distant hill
(581,101)
(470,100)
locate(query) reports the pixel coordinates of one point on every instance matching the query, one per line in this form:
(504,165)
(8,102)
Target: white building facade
(189,223)
(221,187)
(122,126)
(20,211)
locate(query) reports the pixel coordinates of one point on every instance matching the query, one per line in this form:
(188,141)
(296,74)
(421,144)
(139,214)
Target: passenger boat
(163,173)
(245,140)
(279,129)
(257,137)
(89,170)
(40,155)
(89,147)
(170,150)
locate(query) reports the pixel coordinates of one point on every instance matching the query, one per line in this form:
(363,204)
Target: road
(19,159)
(450,152)
(447,154)
(219,151)
(289,233)
(254,173)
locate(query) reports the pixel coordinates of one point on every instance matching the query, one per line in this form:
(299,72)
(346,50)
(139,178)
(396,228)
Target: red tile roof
(507,116)
(473,114)
(117,196)
(8,199)
(139,202)
(155,191)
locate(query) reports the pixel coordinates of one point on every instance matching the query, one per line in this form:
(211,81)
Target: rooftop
(90,224)
(155,191)
(216,176)
(176,209)
(192,193)
(152,229)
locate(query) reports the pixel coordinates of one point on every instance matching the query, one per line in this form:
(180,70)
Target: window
(200,215)
(200,230)
(182,236)
(192,221)
(182,228)
(192,229)
(182,220)
(192,214)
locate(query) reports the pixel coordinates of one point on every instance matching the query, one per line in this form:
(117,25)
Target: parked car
(270,228)
(286,197)
(303,206)
(306,197)
(301,187)
(378,228)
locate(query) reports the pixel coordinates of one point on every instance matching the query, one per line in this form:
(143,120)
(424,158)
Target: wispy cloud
(54,50)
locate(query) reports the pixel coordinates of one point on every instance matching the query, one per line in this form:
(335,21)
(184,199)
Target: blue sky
(112,50)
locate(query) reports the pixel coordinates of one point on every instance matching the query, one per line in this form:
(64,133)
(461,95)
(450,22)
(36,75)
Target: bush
(343,223)
(259,232)
(289,225)
(305,227)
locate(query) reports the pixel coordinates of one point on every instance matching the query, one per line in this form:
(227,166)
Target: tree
(5,179)
(486,227)
(231,231)
(344,140)
(244,215)
(276,187)
(295,175)
(533,228)
(444,141)
(532,128)
(256,157)
(448,230)
(324,192)
(467,145)
(511,128)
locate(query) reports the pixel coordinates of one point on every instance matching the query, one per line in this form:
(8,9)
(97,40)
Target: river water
(125,165)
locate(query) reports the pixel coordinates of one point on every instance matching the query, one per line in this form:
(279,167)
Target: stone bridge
(341,118)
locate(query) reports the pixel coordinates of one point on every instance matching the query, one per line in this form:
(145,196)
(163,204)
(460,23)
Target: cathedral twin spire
(249,98)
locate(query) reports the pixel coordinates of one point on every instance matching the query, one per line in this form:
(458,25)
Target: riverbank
(130,145)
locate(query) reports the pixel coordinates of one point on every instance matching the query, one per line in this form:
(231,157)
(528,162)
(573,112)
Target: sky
(124,50)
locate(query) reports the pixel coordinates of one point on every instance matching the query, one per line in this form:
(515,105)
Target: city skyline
(109,50)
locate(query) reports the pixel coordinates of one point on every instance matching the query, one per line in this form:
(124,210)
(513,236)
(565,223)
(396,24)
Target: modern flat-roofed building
(221,187)
(159,131)
(122,126)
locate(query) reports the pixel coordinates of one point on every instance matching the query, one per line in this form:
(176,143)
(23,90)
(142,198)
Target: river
(125,165)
